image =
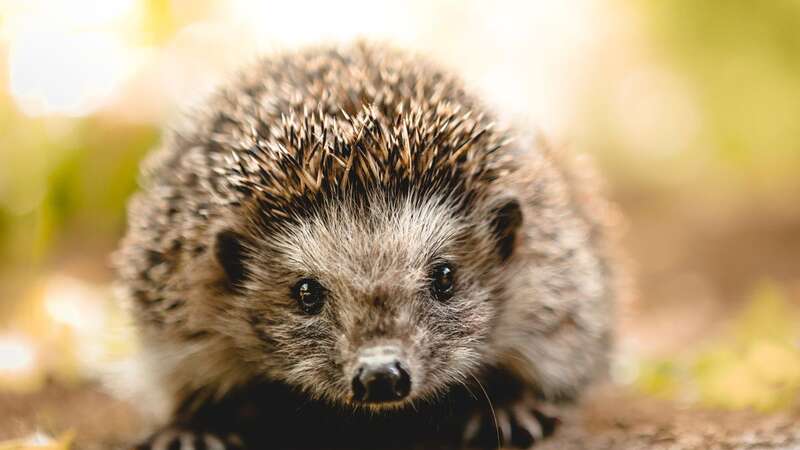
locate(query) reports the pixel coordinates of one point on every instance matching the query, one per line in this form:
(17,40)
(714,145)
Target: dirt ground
(609,418)
(613,418)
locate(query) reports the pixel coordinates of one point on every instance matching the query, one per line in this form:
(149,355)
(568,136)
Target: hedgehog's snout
(381,376)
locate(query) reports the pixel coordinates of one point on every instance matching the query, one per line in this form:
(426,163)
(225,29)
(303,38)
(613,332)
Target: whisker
(491,408)
(466,386)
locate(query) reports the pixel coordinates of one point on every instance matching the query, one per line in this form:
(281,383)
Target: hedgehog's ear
(230,253)
(506,221)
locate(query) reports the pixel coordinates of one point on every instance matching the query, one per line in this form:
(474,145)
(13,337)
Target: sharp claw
(503,426)
(187,441)
(213,443)
(472,428)
(528,421)
(548,424)
(176,439)
(164,441)
(521,438)
(235,441)
(515,425)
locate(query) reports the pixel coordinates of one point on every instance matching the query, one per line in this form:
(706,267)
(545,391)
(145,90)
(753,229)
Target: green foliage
(86,179)
(659,378)
(756,364)
(741,58)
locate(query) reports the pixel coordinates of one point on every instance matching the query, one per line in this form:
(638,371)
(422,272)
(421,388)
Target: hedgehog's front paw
(188,439)
(516,425)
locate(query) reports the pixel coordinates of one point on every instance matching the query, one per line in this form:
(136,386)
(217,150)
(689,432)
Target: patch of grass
(755,364)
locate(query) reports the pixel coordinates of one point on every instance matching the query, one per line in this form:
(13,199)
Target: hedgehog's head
(374,302)
(378,286)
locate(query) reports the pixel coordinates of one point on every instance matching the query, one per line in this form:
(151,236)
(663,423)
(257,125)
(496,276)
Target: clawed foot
(187,439)
(518,425)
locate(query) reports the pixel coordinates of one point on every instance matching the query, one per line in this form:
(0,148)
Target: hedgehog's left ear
(506,221)
(230,254)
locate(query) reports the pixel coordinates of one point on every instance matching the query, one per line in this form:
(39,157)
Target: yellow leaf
(38,442)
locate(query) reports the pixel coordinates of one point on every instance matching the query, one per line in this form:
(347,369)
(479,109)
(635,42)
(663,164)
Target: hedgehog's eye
(310,295)
(442,281)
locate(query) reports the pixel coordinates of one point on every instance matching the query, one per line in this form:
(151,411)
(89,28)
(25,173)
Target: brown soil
(609,418)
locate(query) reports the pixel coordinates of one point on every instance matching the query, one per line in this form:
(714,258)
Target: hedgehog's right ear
(230,253)
(506,221)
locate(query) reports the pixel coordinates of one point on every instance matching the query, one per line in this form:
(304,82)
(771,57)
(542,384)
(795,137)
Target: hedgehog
(341,249)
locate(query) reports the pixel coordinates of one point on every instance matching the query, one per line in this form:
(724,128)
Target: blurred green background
(691,110)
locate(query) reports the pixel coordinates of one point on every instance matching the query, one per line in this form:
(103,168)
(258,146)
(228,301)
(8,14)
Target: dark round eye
(442,281)
(310,295)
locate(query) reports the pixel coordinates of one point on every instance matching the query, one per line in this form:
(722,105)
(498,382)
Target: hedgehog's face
(378,305)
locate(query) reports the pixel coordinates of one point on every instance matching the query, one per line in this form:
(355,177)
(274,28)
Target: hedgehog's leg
(186,438)
(510,417)
(513,426)
(199,424)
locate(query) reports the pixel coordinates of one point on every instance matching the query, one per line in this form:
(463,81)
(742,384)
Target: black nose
(378,383)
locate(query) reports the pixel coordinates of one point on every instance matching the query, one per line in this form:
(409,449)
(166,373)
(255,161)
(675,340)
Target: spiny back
(304,128)
(290,134)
